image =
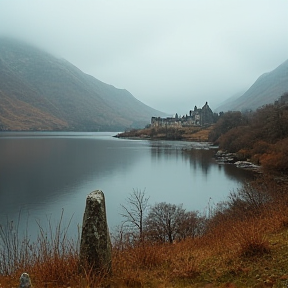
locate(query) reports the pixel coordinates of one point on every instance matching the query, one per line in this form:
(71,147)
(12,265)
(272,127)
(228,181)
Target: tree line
(260,136)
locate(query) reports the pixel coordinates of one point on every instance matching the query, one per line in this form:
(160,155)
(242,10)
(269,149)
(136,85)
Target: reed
(52,259)
(244,242)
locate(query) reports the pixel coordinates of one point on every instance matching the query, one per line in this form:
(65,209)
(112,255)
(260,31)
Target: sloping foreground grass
(248,255)
(240,248)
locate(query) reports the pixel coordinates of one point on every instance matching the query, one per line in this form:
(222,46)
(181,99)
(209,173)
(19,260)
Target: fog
(171,55)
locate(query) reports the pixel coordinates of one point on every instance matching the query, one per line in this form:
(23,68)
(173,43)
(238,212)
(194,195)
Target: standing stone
(95,246)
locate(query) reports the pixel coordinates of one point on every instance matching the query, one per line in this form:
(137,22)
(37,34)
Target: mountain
(228,102)
(41,92)
(265,90)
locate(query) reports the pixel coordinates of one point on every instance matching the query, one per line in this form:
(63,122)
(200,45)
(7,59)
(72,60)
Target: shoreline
(191,133)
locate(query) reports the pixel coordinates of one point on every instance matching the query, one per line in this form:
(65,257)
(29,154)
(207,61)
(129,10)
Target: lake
(45,173)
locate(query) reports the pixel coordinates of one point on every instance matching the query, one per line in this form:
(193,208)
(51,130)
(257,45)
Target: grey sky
(171,55)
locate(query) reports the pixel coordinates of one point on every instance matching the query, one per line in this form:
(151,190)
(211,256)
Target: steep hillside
(41,92)
(265,90)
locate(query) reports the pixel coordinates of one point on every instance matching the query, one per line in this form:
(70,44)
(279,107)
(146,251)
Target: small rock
(25,281)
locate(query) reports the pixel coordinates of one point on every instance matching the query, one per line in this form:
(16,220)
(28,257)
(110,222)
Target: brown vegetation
(19,115)
(260,136)
(191,133)
(244,243)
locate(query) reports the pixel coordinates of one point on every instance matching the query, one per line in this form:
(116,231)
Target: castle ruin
(197,117)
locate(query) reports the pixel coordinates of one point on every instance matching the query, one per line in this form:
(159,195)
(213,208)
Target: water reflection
(232,172)
(44,173)
(201,159)
(42,170)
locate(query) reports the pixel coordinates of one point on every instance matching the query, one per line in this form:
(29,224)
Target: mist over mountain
(266,90)
(41,92)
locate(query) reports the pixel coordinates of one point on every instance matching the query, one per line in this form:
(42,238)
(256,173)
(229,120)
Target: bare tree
(192,225)
(135,211)
(164,221)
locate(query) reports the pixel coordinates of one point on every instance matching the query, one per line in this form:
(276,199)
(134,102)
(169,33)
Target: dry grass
(233,253)
(51,260)
(201,135)
(191,133)
(237,250)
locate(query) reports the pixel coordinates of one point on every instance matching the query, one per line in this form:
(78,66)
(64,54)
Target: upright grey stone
(95,246)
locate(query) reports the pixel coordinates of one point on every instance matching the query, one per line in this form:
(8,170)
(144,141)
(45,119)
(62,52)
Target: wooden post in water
(95,246)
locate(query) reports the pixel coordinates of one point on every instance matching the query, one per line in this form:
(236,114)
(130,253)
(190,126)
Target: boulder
(246,165)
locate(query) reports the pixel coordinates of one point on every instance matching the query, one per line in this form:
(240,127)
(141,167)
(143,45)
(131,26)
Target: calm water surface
(42,174)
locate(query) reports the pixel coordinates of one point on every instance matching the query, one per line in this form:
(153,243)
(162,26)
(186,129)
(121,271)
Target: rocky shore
(192,135)
(224,157)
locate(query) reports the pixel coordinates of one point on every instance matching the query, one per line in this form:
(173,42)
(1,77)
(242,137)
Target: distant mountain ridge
(41,92)
(266,90)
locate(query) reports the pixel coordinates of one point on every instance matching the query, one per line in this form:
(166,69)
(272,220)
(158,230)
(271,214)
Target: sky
(170,54)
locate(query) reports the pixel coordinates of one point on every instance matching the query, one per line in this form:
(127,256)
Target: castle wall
(198,116)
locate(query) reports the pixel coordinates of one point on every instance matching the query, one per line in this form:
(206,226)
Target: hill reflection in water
(43,173)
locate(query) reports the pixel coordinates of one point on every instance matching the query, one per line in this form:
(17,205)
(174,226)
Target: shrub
(250,236)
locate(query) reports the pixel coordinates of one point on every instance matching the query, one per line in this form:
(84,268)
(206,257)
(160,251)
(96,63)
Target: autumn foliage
(240,242)
(260,136)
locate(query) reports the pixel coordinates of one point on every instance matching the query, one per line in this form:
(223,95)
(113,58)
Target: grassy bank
(245,244)
(192,133)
